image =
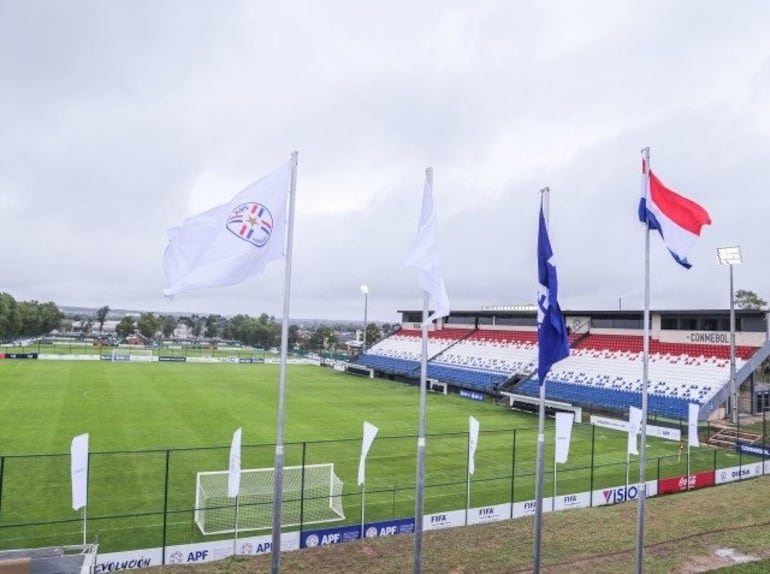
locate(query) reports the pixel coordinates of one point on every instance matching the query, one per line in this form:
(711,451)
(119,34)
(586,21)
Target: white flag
(79,471)
(473,441)
(692,425)
(423,254)
(234,476)
(233,241)
(634,426)
(563,436)
(370,431)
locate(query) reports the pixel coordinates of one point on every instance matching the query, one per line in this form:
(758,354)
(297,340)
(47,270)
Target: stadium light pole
(365,291)
(731,256)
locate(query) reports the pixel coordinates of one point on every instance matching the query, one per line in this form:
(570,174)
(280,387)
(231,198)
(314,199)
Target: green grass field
(80,347)
(153,426)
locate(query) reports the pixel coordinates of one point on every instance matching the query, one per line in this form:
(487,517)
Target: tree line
(26,319)
(262,332)
(21,319)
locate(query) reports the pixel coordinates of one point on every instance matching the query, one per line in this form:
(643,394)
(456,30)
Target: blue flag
(552,338)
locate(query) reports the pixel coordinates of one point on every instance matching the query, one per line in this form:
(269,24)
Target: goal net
(128,354)
(311,494)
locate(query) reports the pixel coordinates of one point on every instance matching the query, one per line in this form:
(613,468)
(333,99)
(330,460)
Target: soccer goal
(311,494)
(127,354)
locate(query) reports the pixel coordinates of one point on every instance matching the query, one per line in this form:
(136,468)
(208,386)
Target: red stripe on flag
(684,212)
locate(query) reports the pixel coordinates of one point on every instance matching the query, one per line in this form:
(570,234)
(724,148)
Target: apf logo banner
(389,528)
(209,551)
(328,536)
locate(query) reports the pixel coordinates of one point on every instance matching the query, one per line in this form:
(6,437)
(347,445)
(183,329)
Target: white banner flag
(563,436)
(79,471)
(370,431)
(233,241)
(424,254)
(634,426)
(234,478)
(473,441)
(692,425)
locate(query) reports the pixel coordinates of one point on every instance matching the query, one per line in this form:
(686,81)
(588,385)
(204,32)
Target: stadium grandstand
(494,352)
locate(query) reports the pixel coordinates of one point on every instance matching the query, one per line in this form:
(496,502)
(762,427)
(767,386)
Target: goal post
(312,494)
(438,386)
(129,354)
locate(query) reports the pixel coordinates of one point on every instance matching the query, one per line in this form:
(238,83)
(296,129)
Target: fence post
(302,491)
(738,439)
(513,471)
(165,510)
(2,471)
(591,479)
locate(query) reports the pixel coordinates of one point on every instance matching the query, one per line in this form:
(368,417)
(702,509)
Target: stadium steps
(753,363)
(510,384)
(576,343)
(517,379)
(728,437)
(460,340)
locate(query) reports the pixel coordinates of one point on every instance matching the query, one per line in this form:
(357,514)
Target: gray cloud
(122,118)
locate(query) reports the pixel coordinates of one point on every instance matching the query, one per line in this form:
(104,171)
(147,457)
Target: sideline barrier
(254,545)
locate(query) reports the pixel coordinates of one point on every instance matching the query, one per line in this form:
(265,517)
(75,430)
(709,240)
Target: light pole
(731,256)
(365,291)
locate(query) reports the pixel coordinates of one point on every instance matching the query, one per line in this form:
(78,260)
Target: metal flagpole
(85,507)
(275,555)
(553,495)
(544,193)
(468,479)
(363,505)
(235,539)
(645,375)
(419,499)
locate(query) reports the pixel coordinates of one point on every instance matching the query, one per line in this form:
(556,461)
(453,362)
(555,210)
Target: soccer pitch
(154,426)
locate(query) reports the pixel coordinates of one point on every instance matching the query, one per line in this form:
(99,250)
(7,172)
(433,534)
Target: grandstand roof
(628,313)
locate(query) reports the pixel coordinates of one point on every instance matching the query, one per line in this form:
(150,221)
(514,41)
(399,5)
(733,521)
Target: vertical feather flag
(552,337)
(473,441)
(563,436)
(370,432)
(79,471)
(634,424)
(234,475)
(424,254)
(692,425)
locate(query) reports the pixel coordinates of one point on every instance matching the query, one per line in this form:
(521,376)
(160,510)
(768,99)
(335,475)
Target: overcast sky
(118,119)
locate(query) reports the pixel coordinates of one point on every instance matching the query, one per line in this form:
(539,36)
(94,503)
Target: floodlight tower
(731,256)
(365,291)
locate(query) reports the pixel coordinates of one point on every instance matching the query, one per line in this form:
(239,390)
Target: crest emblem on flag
(251,222)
